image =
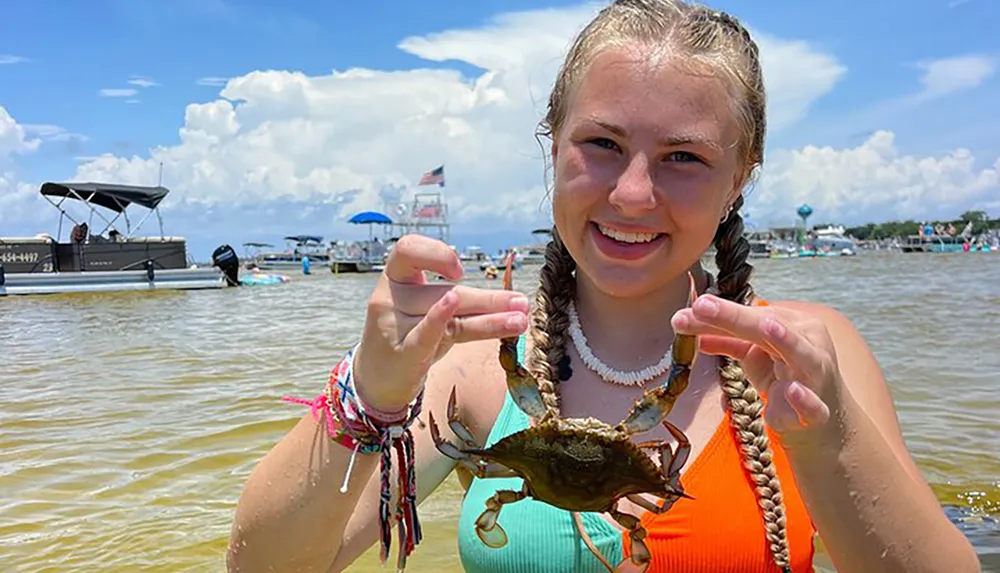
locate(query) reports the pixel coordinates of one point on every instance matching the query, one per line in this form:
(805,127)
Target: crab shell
(577,464)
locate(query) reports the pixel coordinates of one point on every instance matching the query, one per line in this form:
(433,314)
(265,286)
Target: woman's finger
(685,322)
(761,370)
(426,336)
(487,326)
(415,300)
(719,345)
(809,407)
(414,254)
(760,325)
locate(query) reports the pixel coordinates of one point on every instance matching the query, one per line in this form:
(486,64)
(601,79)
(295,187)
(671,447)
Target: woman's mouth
(625,245)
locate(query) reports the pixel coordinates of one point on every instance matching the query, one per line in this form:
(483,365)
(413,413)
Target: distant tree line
(875,231)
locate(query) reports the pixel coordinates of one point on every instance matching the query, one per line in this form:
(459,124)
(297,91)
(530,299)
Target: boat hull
(12,284)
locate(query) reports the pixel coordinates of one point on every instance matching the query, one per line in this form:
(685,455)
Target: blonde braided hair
(718,40)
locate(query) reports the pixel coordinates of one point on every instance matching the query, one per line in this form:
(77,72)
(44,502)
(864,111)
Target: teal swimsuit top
(540,537)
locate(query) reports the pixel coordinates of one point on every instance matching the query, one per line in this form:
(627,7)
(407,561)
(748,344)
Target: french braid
(550,321)
(745,404)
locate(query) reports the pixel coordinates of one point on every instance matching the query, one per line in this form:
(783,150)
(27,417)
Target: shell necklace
(607,373)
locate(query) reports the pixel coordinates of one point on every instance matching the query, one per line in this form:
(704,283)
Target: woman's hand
(786,354)
(411,324)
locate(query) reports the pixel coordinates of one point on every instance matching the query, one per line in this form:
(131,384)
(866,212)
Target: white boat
(829,241)
(298,247)
(365,256)
(88,262)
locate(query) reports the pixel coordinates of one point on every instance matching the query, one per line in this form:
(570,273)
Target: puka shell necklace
(607,373)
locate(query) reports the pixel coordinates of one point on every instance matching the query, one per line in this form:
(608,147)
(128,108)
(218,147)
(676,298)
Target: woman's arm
(292,516)
(868,500)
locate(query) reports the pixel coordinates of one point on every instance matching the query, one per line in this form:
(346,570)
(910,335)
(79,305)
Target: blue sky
(892,97)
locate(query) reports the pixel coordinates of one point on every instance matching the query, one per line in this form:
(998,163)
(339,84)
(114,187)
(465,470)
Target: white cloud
(14,137)
(948,75)
(118,92)
(333,144)
(48,132)
(211,81)
(873,181)
(142,82)
(12,59)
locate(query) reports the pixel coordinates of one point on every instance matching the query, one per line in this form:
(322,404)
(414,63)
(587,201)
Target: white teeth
(627,237)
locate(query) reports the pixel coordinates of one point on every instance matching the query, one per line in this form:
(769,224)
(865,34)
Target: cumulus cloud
(281,147)
(874,177)
(14,137)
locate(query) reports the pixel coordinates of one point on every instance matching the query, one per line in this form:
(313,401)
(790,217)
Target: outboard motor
(226,259)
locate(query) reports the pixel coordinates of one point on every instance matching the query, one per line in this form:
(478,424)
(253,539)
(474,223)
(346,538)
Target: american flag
(433,177)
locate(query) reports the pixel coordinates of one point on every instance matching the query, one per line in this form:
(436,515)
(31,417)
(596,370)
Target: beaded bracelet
(349,424)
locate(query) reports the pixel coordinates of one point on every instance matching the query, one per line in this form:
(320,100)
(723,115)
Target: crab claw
(655,404)
(521,385)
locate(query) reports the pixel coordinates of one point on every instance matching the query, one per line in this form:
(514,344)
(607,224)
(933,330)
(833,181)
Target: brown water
(129,422)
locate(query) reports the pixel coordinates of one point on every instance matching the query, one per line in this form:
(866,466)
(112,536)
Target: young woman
(657,125)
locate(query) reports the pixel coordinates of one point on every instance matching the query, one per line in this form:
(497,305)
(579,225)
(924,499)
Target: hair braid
(550,321)
(744,402)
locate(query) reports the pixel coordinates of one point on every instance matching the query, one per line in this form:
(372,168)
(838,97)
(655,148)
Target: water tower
(804,212)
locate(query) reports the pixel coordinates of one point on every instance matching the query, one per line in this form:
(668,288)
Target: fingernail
(706,306)
(519,304)
(518,323)
(449,299)
(775,328)
(795,391)
(680,320)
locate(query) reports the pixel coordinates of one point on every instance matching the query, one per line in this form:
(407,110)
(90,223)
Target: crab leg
(487,527)
(643,503)
(521,384)
(678,457)
(476,465)
(639,559)
(655,404)
(456,425)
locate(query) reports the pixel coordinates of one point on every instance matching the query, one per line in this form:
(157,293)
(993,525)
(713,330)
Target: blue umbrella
(370,218)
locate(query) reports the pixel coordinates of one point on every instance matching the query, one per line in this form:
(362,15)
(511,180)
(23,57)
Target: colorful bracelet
(359,429)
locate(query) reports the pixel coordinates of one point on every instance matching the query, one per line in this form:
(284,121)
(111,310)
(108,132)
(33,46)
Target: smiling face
(646,163)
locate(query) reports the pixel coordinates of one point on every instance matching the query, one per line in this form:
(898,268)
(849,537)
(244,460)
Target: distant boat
(89,262)
(933,244)
(290,259)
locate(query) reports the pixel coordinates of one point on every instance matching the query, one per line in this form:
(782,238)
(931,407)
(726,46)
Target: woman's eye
(683,157)
(604,143)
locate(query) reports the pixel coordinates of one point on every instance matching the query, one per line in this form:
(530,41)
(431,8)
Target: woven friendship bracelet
(349,425)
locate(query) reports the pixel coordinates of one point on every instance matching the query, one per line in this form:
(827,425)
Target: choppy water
(129,422)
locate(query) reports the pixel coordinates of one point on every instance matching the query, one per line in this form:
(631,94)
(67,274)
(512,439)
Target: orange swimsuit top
(722,528)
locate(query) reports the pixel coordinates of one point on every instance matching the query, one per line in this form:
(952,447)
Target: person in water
(657,126)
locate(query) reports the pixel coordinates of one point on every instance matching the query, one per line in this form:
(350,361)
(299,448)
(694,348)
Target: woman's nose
(634,189)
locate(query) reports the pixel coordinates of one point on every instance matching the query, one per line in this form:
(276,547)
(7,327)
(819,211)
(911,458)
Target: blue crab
(580,464)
